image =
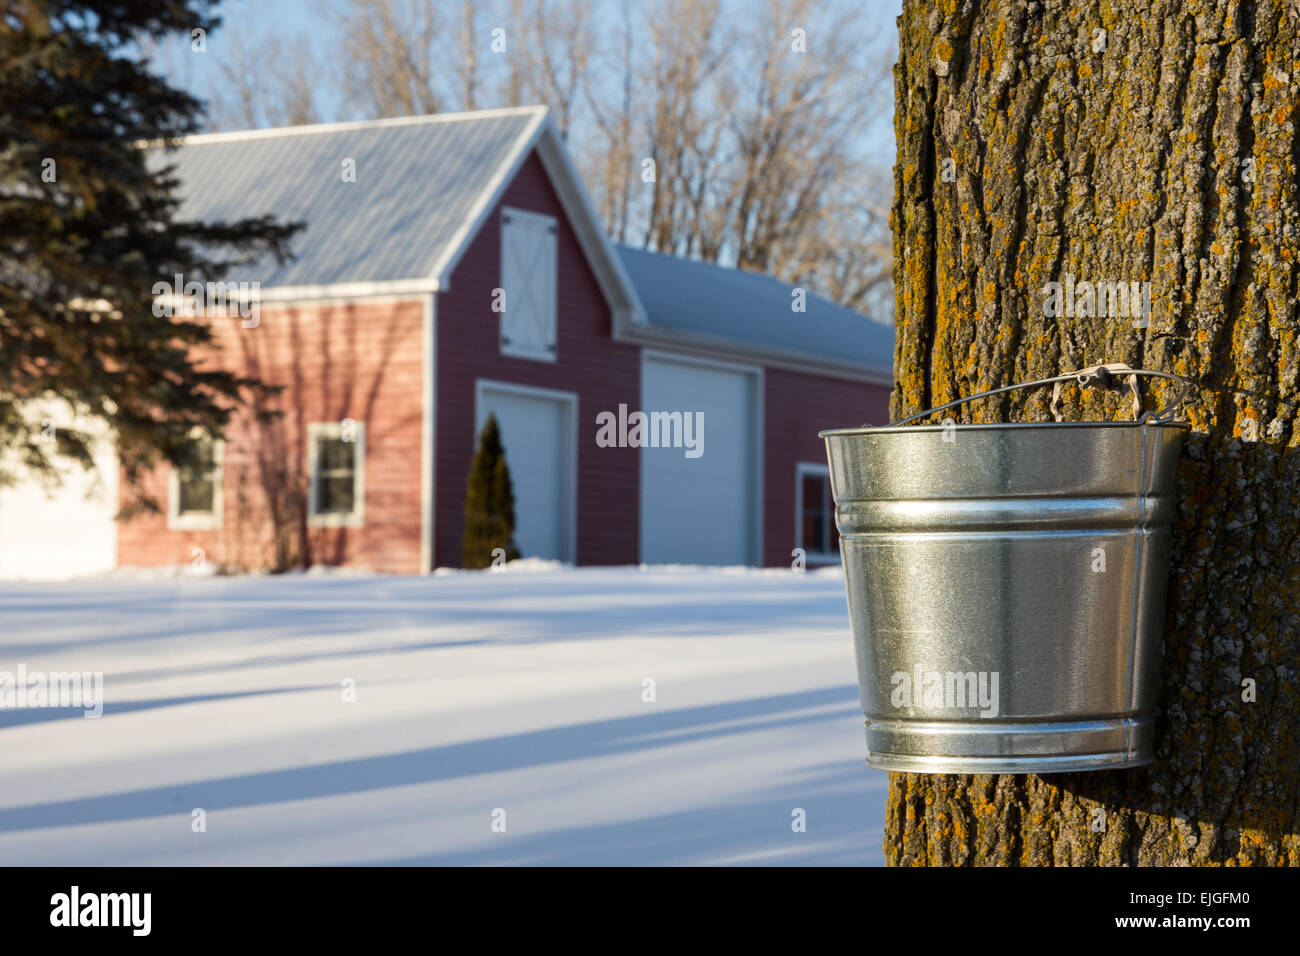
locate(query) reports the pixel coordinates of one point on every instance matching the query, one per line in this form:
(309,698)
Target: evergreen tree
(88,226)
(489,502)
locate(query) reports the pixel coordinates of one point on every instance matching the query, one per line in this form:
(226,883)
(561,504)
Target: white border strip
(199,139)
(428,433)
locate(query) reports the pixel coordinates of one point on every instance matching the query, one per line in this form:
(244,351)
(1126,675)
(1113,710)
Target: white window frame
(357,516)
(801,470)
(198,520)
(514,349)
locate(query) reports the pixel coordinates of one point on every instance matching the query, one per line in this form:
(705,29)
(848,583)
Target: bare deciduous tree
(611,106)
(688,47)
(272,82)
(757,137)
(296,79)
(388,48)
(548,62)
(469,45)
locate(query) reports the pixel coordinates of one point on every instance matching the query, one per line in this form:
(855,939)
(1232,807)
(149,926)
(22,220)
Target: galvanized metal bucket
(1006,584)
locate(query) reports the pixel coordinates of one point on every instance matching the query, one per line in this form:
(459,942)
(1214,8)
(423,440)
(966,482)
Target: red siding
(358,361)
(796,407)
(602,372)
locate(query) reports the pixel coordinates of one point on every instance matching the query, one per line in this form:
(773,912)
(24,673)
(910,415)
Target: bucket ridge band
(1109,512)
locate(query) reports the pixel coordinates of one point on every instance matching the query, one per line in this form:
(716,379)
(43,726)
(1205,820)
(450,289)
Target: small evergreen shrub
(489,502)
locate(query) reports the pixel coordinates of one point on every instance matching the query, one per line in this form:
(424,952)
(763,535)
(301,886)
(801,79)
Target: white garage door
(537,431)
(69,531)
(701,510)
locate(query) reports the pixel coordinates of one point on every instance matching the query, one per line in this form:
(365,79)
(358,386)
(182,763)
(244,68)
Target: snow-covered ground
(520,691)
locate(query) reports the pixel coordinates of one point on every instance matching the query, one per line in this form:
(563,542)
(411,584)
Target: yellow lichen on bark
(1166,157)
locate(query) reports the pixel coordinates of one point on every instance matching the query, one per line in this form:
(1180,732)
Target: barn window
(815,530)
(195,500)
(528,280)
(336,466)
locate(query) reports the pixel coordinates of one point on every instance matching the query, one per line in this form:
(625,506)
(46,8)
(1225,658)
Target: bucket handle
(1090,377)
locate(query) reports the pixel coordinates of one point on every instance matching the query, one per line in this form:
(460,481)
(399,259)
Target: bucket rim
(992,426)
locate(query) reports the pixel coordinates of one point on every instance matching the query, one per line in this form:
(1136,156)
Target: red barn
(652,409)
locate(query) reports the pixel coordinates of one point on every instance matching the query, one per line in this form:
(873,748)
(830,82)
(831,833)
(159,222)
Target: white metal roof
(418,183)
(703,304)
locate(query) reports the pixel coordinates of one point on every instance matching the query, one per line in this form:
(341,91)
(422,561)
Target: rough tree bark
(1161,150)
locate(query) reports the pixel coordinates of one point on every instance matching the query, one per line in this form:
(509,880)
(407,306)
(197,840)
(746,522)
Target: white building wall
(66,531)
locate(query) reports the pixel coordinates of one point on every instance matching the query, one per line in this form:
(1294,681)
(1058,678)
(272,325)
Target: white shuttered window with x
(528,278)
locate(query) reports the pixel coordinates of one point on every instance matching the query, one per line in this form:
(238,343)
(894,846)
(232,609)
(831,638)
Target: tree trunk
(1164,151)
